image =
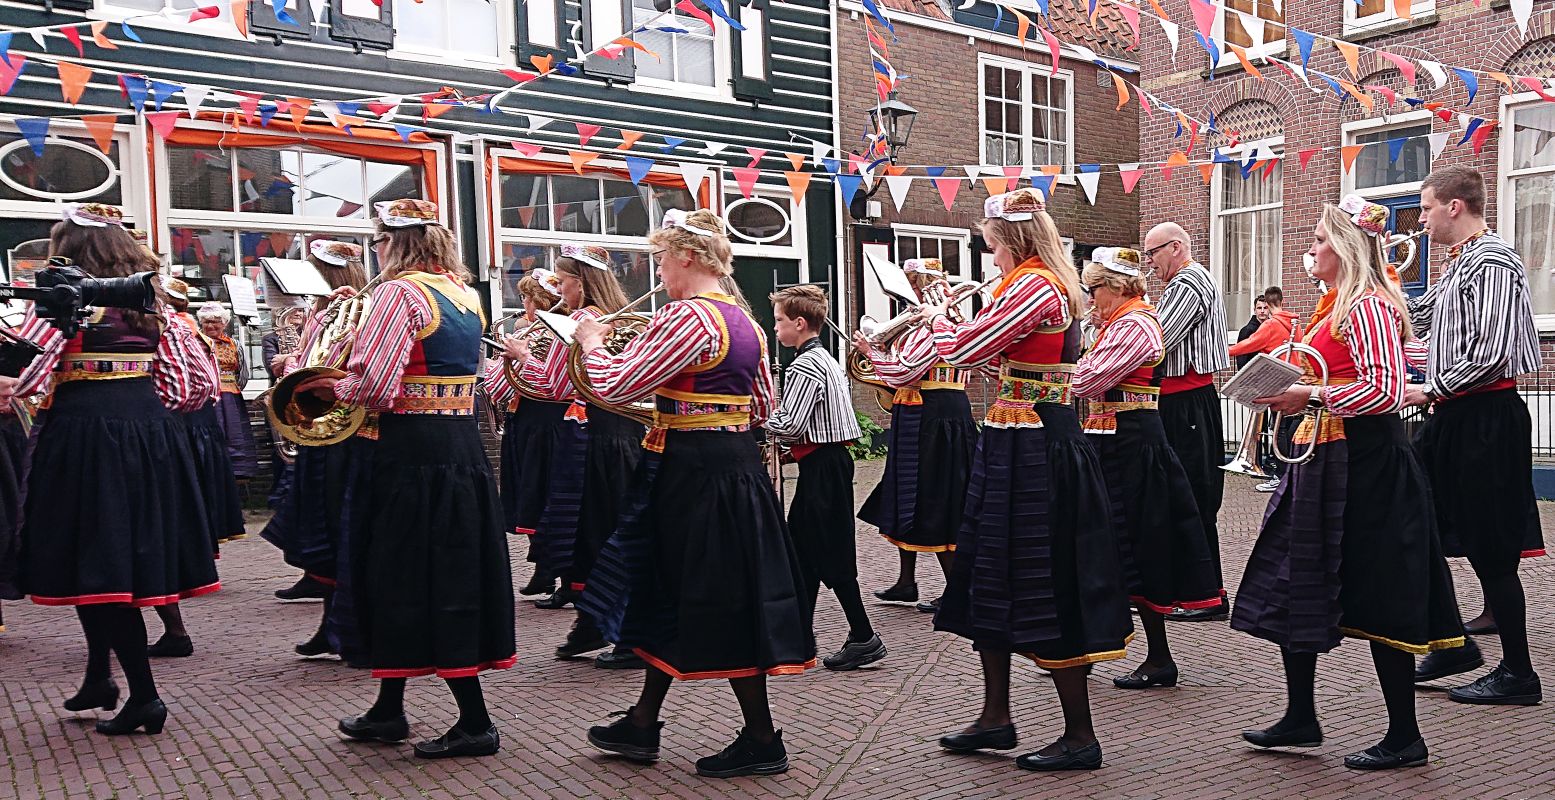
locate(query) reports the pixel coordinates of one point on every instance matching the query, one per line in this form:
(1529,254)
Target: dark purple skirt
(917,504)
(1037,568)
(701,578)
(13,478)
(529,439)
(1349,548)
(615,448)
(1166,560)
(232,416)
(556,533)
(223,506)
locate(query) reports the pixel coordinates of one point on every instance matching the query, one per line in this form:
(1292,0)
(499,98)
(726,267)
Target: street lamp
(895,119)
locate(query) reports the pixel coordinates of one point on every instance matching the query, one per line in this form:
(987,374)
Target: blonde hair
(712,253)
(1128,285)
(1038,238)
(1362,268)
(600,287)
(530,288)
(806,302)
(922,280)
(419,247)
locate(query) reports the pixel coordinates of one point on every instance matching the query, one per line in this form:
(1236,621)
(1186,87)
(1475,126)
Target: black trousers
(1197,436)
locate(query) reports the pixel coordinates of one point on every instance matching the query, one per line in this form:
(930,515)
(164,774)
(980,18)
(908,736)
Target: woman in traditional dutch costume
(114,520)
(1037,567)
(13,478)
(323,503)
(231,411)
(533,425)
(917,504)
(701,576)
(434,584)
(1349,545)
(1166,560)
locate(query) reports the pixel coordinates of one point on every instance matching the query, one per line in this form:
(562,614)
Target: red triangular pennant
(746,178)
(948,188)
(163,122)
(1305,156)
(585,132)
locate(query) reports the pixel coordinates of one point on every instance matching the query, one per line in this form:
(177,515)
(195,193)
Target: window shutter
(541,28)
(375,31)
(72,5)
(262,20)
(753,51)
(604,21)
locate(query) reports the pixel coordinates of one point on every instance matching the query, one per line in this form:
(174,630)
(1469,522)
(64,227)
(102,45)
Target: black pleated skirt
(615,448)
(700,578)
(218,484)
(433,583)
(1478,453)
(529,439)
(1196,433)
(1349,548)
(917,504)
(556,534)
(232,416)
(820,518)
(1037,568)
(13,477)
(113,510)
(1166,559)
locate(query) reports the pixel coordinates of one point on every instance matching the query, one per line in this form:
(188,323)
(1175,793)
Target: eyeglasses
(379,240)
(1087,290)
(656,253)
(1158,248)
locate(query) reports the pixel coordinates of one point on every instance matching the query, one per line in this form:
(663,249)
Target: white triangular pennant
(972,170)
(329,110)
(1438,75)
(1438,144)
(394,101)
(693,174)
(713,148)
(898,186)
(194,96)
(1170,29)
(1254,27)
(37,36)
(536,122)
(818,151)
(1279,4)
(1085,52)
(1088,182)
(318,11)
(1521,11)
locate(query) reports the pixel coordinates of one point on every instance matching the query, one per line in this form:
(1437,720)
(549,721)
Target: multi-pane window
(688,58)
(1246,236)
(297,181)
(1362,14)
(1529,175)
(468,28)
(1026,115)
(1375,169)
(1234,30)
(948,251)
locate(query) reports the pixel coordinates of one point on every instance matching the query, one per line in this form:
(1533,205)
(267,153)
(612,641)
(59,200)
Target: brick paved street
(250,720)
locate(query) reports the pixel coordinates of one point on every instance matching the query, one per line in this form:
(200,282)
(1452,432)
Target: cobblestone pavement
(251,720)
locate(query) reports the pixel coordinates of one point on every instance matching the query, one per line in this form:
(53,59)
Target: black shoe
(856,654)
(102,694)
(561,598)
(1087,757)
(746,756)
(623,738)
(1000,738)
(1304,736)
(306,589)
(620,659)
(900,593)
(1218,613)
(539,583)
(581,639)
(1414,755)
(458,744)
(929,606)
(151,716)
(1500,687)
(317,646)
(170,646)
(389,731)
(1439,664)
(1139,679)
(1481,630)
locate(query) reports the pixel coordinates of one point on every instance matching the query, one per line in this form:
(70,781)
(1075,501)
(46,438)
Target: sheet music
(892,279)
(1264,376)
(563,326)
(240,291)
(296,276)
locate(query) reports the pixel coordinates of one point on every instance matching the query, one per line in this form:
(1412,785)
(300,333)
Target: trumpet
(303,418)
(625,325)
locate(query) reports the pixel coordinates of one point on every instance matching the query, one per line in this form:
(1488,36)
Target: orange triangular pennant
(580,158)
(798,184)
(1352,56)
(797,159)
(1401,8)
(1348,154)
(240,16)
(1122,88)
(72,80)
(101,128)
(1177,159)
(435,110)
(542,63)
(996,185)
(1052,169)
(1241,55)
(1206,170)
(628,138)
(299,109)
(1501,78)
(101,40)
(1364,98)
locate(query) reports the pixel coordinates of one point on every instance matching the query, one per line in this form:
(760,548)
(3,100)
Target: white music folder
(296,276)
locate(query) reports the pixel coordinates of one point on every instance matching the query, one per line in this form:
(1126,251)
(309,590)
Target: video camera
(65,296)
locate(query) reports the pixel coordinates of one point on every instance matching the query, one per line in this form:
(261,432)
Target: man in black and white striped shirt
(1477,445)
(1193,329)
(815,414)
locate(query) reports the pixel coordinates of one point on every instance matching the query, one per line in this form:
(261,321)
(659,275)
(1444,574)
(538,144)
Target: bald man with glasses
(1193,328)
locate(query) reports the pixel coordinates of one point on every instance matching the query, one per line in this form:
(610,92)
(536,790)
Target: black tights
(907,571)
(473,717)
(121,629)
(172,621)
(1159,654)
(847,591)
(1395,672)
(1504,597)
(1073,696)
(750,692)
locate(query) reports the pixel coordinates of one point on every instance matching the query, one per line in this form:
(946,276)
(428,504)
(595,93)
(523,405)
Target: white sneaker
(1268,485)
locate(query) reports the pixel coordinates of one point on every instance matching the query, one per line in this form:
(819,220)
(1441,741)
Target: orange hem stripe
(1408,647)
(1082,660)
(457,672)
(747,672)
(919,548)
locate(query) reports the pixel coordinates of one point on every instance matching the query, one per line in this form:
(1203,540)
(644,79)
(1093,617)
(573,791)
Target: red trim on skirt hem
(575,586)
(524,531)
(124,598)
(441,672)
(746,672)
(330,582)
(1531,553)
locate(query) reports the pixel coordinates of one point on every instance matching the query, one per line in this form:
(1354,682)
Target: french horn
(625,325)
(303,417)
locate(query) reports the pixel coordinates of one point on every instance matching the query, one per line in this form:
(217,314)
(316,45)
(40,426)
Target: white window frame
(504,57)
(723,66)
(1272,47)
(1351,131)
(784,199)
(1506,207)
(1217,265)
(133,191)
(1354,23)
(221,27)
(1031,70)
(961,235)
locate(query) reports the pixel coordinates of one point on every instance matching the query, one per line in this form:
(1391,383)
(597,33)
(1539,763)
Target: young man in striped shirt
(815,414)
(1193,328)
(1476,445)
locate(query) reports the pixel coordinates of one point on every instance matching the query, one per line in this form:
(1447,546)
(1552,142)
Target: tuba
(303,418)
(625,325)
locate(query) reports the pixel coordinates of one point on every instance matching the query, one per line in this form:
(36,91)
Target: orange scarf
(1031,266)
(1133,304)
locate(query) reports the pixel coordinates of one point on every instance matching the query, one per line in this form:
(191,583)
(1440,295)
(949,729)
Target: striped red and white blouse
(1373,336)
(549,376)
(1129,342)
(182,381)
(1031,302)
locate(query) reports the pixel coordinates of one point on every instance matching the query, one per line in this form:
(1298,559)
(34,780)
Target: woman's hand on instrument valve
(861,343)
(513,349)
(591,335)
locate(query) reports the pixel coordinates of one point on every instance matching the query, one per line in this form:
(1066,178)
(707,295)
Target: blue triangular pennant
(831,165)
(1211,48)
(1247,168)
(717,7)
(5,48)
(1043,184)
(1468,81)
(404,131)
(1467,132)
(130,33)
(848,185)
(637,168)
(672,142)
(1395,147)
(1089,167)
(164,91)
(1042,6)
(1304,43)
(136,87)
(35,129)
(1217,156)
(934,172)
(267,113)
(1332,84)
(874,11)
(565,69)
(348,109)
(998,16)
(280,12)
(1414,101)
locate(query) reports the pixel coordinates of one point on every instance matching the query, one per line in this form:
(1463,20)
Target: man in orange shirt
(1274,332)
